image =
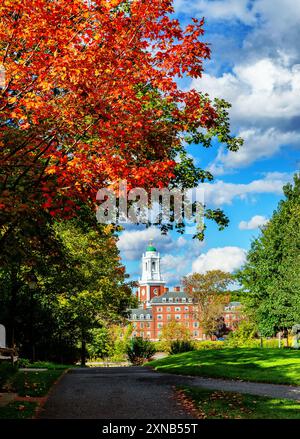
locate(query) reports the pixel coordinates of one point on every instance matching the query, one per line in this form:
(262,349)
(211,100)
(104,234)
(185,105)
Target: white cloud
(259,144)
(254,223)
(217,9)
(227,259)
(259,90)
(220,192)
(132,243)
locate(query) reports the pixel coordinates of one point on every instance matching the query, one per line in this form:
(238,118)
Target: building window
(164,299)
(159,316)
(159,325)
(153,265)
(170,299)
(148,316)
(141,325)
(187,324)
(134,316)
(196,334)
(141,316)
(196,325)
(183,300)
(141,334)
(134,325)
(190,300)
(159,309)
(186,316)
(176,299)
(169,317)
(177,316)
(134,334)
(148,334)
(168,309)
(177,308)
(148,325)
(186,308)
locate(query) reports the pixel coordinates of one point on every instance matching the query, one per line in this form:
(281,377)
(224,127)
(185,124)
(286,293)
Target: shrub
(209,345)
(179,346)
(140,350)
(24,362)
(244,336)
(7,370)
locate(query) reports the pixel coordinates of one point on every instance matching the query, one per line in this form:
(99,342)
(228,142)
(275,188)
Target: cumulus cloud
(259,144)
(227,259)
(132,244)
(220,192)
(264,89)
(254,223)
(262,75)
(218,9)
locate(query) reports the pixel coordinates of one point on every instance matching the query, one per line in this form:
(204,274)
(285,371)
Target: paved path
(115,392)
(137,393)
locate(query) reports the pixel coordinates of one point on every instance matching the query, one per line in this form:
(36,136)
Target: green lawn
(18,410)
(212,404)
(34,383)
(262,365)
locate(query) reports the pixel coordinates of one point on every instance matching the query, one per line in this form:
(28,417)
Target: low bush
(7,370)
(140,350)
(209,345)
(179,346)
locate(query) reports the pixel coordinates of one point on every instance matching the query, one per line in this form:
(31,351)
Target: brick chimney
(177,289)
(166,290)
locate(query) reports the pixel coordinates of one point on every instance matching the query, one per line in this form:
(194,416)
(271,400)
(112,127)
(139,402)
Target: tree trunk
(83,349)
(13,306)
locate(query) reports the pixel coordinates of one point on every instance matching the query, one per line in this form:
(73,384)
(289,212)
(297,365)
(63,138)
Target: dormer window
(141,316)
(170,299)
(134,316)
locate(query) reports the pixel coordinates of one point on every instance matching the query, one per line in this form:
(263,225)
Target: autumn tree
(174,330)
(91,98)
(210,294)
(271,275)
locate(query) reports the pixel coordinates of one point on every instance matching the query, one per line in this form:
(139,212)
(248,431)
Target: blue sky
(255,65)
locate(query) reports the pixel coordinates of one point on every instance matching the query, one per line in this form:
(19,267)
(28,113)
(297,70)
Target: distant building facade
(158,305)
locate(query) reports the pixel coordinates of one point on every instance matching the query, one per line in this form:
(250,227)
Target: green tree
(97,293)
(271,275)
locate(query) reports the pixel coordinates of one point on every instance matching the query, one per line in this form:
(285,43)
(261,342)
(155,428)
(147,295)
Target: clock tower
(151,283)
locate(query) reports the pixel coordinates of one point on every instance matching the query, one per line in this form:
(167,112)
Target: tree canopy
(271,275)
(91,98)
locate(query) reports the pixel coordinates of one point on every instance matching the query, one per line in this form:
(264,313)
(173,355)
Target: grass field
(212,404)
(18,410)
(281,366)
(34,383)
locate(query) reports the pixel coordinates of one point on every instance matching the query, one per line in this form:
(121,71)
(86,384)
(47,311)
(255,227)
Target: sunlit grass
(262,365)
(214,404)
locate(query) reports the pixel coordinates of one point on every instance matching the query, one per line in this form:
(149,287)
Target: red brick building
(159,305)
